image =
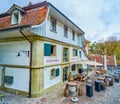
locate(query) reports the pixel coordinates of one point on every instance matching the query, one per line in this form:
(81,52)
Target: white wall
(72,58)
(83,56)
(59,35)
(47,81)
(9,51)
(50,60)
(1,75)
(20,78)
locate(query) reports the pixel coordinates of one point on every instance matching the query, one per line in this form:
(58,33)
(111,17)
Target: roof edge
(16,27)
(65,17)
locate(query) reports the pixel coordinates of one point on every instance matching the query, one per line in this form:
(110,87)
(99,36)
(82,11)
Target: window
(53,24)
(49,50)
(80,54)
(53,50)
(73,67)
(16,17)
(54,73)
(66,31)
(65,55)
(73,35)
(75,52)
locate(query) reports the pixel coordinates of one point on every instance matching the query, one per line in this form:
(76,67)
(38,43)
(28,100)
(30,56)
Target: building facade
(39,47)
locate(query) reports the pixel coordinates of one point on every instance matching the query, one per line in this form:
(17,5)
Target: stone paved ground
(110,96)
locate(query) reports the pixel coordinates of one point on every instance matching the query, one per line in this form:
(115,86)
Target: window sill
(52,77)
(53,56)
(53,31)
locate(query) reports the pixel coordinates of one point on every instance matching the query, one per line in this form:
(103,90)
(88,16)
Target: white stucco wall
(47,81)
(59,35)
(9,51)
(83,56)
(50,60)
(72,58)
(20,78)
(1,75)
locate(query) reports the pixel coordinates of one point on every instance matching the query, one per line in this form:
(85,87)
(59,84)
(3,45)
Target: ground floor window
(54,73)
(73,67)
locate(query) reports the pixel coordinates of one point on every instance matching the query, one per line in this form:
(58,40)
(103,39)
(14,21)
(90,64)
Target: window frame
(80,54)
(50,49)
(74,52)
(65,31)
(52,73)
(65,58)
(53,24)
(73,35)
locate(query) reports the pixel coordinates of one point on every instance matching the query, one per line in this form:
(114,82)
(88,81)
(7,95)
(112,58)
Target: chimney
(30,3)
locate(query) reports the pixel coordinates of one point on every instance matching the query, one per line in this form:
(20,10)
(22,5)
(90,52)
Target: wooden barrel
(107,83)
(67,85)
(80,91)
(113,79)
(66,92)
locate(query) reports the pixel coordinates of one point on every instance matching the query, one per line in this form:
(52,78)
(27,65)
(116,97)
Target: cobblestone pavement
(110,96)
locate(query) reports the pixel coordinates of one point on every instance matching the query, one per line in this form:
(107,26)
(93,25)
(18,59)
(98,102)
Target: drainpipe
(30,73)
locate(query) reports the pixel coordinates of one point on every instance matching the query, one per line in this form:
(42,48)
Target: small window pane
(66,31)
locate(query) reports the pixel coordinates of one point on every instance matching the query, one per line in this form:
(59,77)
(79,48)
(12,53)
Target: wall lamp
(25,52)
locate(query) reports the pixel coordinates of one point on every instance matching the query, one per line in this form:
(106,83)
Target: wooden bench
(84,79)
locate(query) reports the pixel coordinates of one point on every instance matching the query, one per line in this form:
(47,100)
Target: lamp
(25,52)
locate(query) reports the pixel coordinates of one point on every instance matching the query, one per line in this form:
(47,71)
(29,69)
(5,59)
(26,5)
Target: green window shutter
(57,72)
(47,49)
(76,52)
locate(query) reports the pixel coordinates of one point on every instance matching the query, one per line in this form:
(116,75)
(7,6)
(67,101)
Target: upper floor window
(80,54)
(75,52)
(73,35)
(66,31)
(65,54)
(53,24)
(16,17)
(49,49)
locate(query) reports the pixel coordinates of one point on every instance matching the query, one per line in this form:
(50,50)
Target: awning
(87,62)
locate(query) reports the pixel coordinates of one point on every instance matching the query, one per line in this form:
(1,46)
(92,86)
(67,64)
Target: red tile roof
(99,58)
(34,15)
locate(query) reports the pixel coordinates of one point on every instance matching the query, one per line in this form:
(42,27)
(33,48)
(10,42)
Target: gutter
(31,46)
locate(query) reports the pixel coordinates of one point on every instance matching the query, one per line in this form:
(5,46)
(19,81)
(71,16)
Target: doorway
(65,74)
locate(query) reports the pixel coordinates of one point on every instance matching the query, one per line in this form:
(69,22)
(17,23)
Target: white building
(39,47)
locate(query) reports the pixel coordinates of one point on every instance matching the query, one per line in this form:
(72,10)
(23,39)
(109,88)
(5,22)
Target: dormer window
(16,17)
(16,13)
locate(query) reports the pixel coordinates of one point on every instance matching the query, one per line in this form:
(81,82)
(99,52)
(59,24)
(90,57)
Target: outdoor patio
(57,96)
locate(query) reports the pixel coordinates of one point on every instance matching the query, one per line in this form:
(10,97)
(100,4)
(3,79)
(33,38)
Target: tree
(110,47)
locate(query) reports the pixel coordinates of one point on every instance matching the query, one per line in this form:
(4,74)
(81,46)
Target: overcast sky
(99,19)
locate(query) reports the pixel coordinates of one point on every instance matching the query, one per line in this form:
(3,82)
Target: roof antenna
(30,3)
